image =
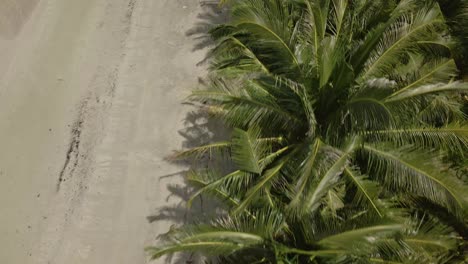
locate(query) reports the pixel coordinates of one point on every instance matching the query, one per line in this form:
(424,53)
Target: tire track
(73,156)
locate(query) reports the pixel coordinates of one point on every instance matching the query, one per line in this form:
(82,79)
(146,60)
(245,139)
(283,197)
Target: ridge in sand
(13,15)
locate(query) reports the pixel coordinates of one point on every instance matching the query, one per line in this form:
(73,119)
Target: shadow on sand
(212,14)
(198,130)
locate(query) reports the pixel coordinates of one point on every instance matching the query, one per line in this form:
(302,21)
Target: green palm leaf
(211,242)
(330,177)
(367,190)
(308,174)
(415,175)
(427,89)
(235,182)
(243,108)
(263,184)
(443,70)
(217,148)
(247,151)
(453,137)
(345,240)
(400,37)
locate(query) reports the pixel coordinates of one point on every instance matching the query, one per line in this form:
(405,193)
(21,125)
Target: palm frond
(211,241)
(350,239)
(375,33)
(266,223)
(423,240)
(246,150)
(441,109)
(232,57)
(213,149)
(225,235)
(209,182)
(367,191)
(418,72)
(400,37)
(415,174)
(365,113)
(453,137)
(309,172)
(427,233)
(426,89)
(244,108)
(330,177)
(340,12)
(270,158)
(264,182)
(267,20)
(230,186)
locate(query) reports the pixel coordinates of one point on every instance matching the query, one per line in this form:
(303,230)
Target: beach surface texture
(91,96)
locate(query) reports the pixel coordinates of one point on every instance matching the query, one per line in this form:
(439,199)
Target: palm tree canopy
(337,72)
(344,114)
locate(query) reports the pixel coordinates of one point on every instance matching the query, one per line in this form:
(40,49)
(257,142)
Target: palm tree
(344,113)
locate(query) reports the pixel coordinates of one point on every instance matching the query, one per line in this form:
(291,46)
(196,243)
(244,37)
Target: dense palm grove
(349,139)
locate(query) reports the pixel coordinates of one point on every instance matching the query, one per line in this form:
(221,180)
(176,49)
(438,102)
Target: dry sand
(90,104)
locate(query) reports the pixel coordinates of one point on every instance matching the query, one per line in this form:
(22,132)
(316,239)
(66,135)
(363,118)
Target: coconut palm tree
(344,112)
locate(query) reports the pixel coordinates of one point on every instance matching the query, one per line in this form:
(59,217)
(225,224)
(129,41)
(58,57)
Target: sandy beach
(91,96)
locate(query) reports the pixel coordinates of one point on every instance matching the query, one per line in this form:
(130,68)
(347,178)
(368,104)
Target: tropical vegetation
(348,142)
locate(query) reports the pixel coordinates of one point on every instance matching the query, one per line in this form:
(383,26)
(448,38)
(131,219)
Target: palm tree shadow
(198,130)
(212,15)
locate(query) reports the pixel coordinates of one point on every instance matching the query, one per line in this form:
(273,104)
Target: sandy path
(90,95)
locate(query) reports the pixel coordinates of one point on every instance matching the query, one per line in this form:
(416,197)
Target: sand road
(90,104)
